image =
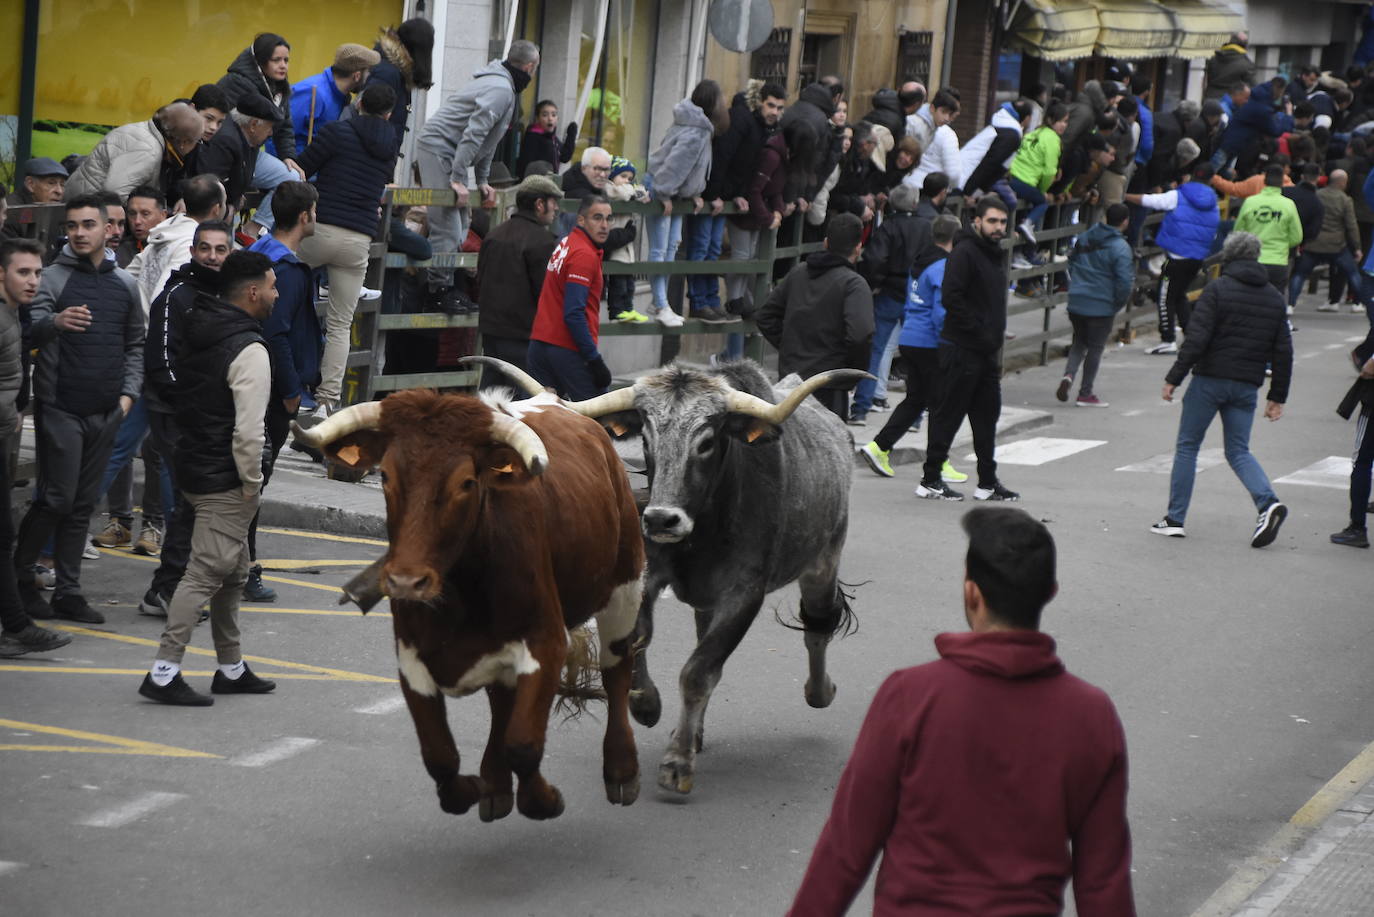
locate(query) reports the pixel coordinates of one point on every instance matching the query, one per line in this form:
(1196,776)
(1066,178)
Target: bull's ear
(501,466)
(751,429)
(622,424)
(359,450)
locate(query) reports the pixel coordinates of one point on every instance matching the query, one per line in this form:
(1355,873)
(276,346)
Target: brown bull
(509,524)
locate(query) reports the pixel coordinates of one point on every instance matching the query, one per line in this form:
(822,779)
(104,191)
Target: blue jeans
(887,318)
(1031,195)
(127,443)
(704,237)
(1208,396)
(665,233)
(1307,261)
(268,172)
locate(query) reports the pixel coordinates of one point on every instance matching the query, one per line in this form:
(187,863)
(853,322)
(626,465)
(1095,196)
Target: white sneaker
(369,293)
(1329,307)
(1356,309)
(90,552)
(1020,262)
(668,318)
(1027,229)
(1164,347)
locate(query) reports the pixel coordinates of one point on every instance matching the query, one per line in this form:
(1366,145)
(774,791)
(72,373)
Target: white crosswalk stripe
(1164,462)
(1332,471)
(1037,450)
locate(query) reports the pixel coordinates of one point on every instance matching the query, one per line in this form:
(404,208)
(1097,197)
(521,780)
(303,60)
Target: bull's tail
(581,681)
(837,621)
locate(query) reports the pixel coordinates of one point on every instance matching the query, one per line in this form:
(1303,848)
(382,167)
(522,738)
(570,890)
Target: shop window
(913,57)
(769,62)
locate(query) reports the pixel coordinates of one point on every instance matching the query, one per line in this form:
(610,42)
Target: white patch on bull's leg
(414,671)
(504,666)
(617,620)
(820,690)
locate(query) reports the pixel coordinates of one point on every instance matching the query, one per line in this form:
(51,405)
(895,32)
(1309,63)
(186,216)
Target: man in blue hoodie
(1101,275)
(1258,118)
(1186,235)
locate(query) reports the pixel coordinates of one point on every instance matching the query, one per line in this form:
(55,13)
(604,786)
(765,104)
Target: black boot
(253,588)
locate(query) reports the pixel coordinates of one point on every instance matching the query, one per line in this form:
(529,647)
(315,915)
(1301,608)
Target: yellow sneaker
(948,473)
(631,316)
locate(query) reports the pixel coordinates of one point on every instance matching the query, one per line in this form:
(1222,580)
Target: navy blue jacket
(1256,118)
(387,72)
(1101,272)
(294,339)
(1189,229)
(352,161)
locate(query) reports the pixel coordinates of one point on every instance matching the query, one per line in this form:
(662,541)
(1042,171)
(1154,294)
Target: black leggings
(922,379)
(1172,301)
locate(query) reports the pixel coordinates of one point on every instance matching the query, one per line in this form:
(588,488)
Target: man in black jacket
(975,299)
(1237,329)
(1355,535)
(1311,211)
(816,105)
(891,108)
(510,274)
(820,317)
(224,381)
(87,321)
(232,154)
(211,244)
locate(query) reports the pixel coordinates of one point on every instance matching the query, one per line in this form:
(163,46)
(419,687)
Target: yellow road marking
(307,564)
(1256,870)
(323,536)
(270,610)
(272,579)
(118,745)
(92,670)
(340,674)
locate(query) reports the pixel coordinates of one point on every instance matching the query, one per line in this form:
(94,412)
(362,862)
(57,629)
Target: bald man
(1337,244)
(152,152)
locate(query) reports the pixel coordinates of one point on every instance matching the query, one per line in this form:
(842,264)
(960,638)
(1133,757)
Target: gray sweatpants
(448,226)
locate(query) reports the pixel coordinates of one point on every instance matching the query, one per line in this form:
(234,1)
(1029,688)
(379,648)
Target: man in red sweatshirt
(990,777)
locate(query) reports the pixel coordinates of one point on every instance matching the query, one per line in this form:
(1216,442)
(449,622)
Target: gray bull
(747,494)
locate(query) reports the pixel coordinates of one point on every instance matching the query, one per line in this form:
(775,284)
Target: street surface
(1241,676)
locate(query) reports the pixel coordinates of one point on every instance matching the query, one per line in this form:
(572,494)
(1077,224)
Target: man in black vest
(87,323)
(224,380)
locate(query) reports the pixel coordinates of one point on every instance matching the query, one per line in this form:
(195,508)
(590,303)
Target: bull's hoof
(622,792)
(459,794)
(491,808)
(540,805)
(676,775)
(645,705)
(822,696)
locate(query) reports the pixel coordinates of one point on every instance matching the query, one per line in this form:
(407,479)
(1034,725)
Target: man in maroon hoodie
(990,777)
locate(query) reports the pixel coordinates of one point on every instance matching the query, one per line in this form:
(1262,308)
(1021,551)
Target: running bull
(509,525)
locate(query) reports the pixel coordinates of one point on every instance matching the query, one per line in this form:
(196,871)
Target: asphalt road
(1241,676)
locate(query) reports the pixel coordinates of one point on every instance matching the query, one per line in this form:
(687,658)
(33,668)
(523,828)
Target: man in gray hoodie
(461,137)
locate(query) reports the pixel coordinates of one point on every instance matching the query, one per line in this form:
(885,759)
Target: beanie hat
(621,164)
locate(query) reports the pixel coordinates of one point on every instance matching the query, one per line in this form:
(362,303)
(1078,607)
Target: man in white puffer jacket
(939,143)
(169,242)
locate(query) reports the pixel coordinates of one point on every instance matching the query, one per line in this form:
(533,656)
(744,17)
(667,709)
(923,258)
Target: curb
(317,518)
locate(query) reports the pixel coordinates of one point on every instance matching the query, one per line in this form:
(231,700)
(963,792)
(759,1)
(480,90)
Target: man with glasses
(563,350)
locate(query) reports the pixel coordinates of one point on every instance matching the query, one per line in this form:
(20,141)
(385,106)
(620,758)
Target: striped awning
(1202,26)
(1135,29)
(1055,29)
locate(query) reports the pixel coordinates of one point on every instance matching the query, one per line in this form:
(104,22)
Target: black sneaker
(1167,526)
(937,490)
(1062,393)
(996,492)
(176,692)
(857,418)
(1352,537)
(154,605)
(247,683)
(35,606)
(76,608)
(253,588)
(1267,527)
(32,639)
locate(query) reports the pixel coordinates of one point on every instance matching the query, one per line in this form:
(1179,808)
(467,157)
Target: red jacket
(575,260)
(973,775)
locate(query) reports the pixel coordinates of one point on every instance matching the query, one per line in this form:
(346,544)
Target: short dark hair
(1096,143)
(240,269)
(11,247)
(291,201)
(1023,108)
(1011,559)
(1273,175)
(934,183)
(1304,110)
(1204,172)
(1117,214)
(152,193)
(83,201)
(946,99)
(1311,172)
(945,227)
(108,198)
(543,104)
(843,234)
(210,96)
(212,226)
(1140,84)
(1055,111)
(990,202)
(590,201)
(201,193)
(772,91)
(1127,106)
(377,99)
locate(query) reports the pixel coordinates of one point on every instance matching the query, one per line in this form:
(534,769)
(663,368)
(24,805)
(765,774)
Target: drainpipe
(947,56)
(28,82)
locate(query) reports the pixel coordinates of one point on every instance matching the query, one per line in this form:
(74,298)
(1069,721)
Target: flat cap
(255,106)
(42,167)
(350,58)
(542,185)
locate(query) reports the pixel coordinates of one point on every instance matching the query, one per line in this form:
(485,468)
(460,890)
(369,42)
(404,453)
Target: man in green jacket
(1274,219)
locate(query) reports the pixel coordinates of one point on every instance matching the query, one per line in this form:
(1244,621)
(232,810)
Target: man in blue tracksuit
(1186,235)
(1101,275)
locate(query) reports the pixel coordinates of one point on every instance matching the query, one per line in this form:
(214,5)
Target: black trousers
(278,428)
(1278,277)
(13,617)
(1172,299)
(1360,471)
(922,391)
(513,350)
(72,454)
(176,539)
(970,386)
(836,400)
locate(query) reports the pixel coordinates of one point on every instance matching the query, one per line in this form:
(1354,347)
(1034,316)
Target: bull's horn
(514,373)
(526,442)
(744,403)
(364,416)
(622,399)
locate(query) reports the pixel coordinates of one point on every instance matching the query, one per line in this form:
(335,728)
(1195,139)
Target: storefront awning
(1135,29)
(1055,29)
(1202,26)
